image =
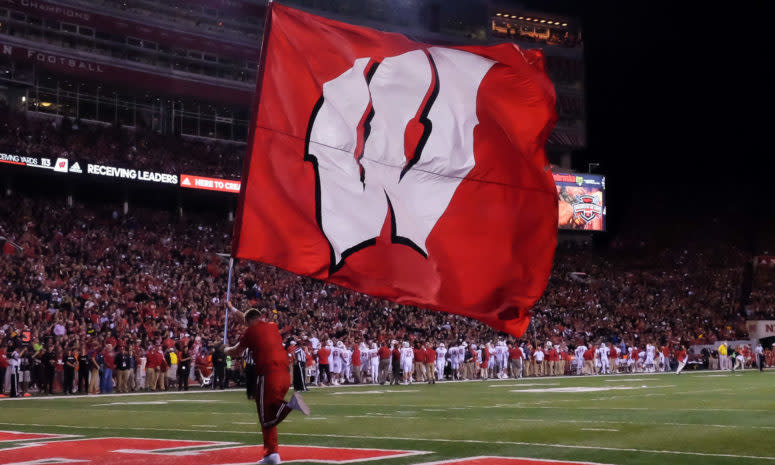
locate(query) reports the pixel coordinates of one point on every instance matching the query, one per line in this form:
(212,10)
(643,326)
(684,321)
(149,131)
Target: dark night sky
(672,111)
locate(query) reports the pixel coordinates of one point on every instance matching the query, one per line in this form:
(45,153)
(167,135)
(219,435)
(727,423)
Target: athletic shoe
(297,403)
(271,459)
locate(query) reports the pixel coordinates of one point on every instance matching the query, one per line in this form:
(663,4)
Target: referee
(299,367)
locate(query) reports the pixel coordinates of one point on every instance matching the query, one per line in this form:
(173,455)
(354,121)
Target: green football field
(694,418)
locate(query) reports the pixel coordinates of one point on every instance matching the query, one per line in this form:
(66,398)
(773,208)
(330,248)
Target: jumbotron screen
(582,201)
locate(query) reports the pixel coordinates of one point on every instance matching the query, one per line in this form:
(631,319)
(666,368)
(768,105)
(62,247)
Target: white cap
(340,344)
(293,343)
(442,344)
(405,344)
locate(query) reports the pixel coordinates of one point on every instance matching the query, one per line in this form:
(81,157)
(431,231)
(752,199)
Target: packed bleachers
(81,278)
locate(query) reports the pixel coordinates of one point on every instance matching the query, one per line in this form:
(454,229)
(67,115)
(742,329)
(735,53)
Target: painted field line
(123,394)
(528,406)
(535,444)
(599,429)
(491,458)
(523,384)
(392,438)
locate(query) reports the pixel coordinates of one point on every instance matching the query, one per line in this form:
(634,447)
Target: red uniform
(419,355)
(265,343)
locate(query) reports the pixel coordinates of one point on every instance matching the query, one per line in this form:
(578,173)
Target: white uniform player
(454,365)
(648,365)
(502,358)
(579,353)
(605,366)
(407,361)
(336,364)
(374,363)
(461,357)
(630,360)
(441,360)
(346,364)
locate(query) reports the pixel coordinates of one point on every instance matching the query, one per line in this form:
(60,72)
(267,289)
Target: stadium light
(498,14)
(543,20)
(564,24)
(45,104)
(521,17)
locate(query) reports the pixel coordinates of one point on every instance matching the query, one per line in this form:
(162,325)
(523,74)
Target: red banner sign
(209,184)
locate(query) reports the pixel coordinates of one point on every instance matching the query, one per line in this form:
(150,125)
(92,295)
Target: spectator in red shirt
(107,371)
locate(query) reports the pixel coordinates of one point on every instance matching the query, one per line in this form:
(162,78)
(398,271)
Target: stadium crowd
(139,148)
(92,300)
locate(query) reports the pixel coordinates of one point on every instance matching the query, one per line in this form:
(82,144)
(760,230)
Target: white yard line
(395,438)
(598,429)
(128,394)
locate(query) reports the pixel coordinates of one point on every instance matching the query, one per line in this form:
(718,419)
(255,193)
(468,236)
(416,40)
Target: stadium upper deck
(189,67)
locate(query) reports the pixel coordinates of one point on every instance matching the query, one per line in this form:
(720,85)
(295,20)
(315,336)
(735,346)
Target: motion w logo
(393,136)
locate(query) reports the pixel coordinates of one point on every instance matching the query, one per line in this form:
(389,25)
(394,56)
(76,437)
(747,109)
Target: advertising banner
(760,329)
(191,181)
(581,202)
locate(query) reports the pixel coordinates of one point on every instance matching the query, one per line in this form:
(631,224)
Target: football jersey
(264,341)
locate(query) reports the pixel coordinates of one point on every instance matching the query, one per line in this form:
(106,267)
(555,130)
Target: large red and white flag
(402,170)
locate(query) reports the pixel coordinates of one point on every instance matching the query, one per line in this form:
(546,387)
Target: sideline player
(264,341)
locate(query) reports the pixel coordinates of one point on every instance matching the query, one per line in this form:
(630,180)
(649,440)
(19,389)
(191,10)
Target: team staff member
(264,341)
(430,363)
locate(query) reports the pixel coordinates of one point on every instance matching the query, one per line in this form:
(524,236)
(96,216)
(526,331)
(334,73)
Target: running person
(271,360)
(682,358)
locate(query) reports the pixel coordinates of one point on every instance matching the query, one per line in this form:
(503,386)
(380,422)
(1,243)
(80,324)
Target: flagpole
(228,299)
